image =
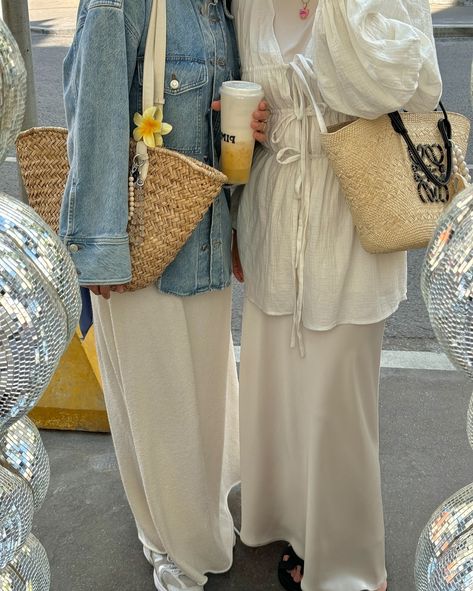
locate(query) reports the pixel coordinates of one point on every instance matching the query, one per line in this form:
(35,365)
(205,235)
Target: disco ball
(22,226)
(452,520)
(40,307)
(454,570)
(469,423)
(12,89)
(33,334)
(16,515)
(22,450)
(447,281)
(29,571)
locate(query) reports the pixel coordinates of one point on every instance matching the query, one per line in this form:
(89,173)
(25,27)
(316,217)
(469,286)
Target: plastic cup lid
(241,88)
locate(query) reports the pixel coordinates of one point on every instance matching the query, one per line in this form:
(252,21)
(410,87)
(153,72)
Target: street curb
(56,32)
(440,31)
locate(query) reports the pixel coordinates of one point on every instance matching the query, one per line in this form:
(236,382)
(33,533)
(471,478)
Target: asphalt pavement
(85,523)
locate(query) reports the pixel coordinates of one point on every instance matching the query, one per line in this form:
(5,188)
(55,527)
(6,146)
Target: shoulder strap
(153,72)
(155,56)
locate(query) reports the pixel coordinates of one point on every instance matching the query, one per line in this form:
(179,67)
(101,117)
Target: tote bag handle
(445,129)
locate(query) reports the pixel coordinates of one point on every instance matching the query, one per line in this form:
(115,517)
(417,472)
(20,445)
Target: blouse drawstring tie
(305,106)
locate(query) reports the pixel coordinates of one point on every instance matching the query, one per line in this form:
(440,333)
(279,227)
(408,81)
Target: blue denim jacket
(103,76)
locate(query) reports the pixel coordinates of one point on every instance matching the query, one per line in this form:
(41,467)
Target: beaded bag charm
(459,164)
(148,133)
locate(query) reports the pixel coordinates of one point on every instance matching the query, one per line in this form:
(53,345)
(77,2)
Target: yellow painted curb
(74,399)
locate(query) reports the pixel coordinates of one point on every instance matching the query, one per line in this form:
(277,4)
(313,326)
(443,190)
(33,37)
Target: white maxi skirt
(310,448)
(171,393)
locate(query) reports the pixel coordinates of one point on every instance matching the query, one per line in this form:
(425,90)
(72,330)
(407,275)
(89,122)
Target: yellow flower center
(150,125)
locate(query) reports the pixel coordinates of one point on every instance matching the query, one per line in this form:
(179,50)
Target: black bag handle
(445,129)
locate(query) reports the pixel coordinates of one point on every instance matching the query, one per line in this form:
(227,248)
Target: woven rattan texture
(42,156)
(373,166)
(178,192)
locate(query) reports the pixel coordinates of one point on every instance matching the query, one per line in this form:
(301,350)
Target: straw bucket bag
(398,182)
(398,172)
(169,194)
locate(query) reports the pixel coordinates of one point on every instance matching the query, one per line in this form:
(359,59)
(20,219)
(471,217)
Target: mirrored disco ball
(33,334)
(21,226)
(454,570)
(452,520)
(12,89)
(447,281)
(469,424)
(23,451)
(16,514)
(29,571)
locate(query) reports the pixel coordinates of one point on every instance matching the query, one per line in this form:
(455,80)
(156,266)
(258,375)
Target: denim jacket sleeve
(97,76)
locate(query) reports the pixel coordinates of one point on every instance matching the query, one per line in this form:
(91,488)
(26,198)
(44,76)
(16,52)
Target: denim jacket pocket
(185,88)
(185,83)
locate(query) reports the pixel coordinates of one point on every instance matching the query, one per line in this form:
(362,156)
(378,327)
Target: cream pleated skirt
(171,392)
(309,448)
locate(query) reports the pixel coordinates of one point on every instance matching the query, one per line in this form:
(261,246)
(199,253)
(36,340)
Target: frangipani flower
(150,127)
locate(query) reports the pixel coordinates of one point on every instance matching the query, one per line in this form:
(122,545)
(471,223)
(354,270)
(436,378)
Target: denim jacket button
(174,84)
(73,248)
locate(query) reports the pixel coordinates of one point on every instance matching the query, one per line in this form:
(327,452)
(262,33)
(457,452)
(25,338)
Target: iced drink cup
(239,101)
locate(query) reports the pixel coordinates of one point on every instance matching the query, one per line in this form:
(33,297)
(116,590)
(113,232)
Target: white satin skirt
(171,392)
(310,448)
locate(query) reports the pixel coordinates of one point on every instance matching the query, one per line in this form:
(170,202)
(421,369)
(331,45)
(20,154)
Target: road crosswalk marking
(424,360)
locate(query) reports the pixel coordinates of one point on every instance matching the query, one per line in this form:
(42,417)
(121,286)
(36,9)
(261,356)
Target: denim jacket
(103,77)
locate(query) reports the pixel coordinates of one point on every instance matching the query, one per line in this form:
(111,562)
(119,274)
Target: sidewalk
(53,17)
(58,17)
(88,531)
(456,21)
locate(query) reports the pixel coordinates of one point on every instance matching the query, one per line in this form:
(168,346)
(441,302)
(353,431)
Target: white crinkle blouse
(299,249)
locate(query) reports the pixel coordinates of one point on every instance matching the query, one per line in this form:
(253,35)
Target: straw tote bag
(169,192)
(398,172)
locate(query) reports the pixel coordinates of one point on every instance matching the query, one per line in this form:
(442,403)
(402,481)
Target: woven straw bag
(397,172)
(178,192)
(393,204)
(175,191)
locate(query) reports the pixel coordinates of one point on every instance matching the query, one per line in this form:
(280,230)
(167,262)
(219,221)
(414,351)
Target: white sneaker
(169,577)
(155,558)
(148,555)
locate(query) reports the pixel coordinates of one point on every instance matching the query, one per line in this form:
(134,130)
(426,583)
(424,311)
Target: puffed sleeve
(376,56)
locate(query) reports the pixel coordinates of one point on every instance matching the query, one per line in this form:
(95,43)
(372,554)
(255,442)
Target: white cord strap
(153,72)
(155,57)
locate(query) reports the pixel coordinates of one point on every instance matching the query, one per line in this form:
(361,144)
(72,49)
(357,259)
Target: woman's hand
(105,290)
(236,263)
(260,120)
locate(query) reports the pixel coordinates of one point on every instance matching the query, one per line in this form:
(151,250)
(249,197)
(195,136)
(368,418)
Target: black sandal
(286,566)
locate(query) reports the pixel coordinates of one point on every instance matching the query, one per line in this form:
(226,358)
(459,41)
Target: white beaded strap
(459,164)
